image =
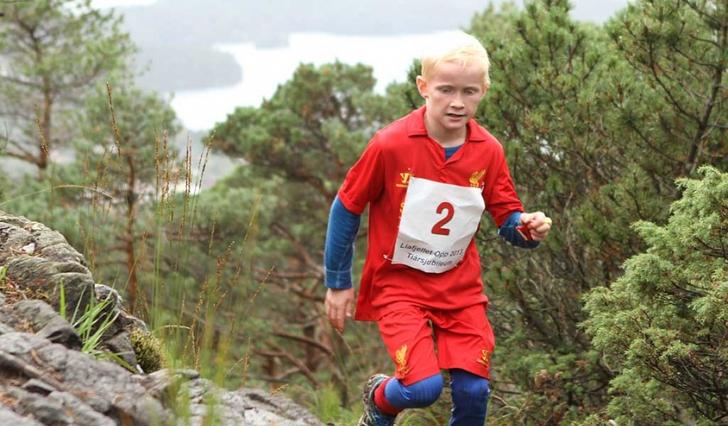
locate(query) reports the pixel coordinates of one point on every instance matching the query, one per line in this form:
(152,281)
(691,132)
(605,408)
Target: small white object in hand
(29,248)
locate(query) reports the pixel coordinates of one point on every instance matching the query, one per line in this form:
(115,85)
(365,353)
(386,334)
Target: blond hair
(464,50)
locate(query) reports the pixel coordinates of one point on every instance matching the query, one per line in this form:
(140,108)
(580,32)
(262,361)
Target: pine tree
(123,151)
(53,53)
(597,124)
(297,147)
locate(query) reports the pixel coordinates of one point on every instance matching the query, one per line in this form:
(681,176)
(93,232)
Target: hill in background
(176,37)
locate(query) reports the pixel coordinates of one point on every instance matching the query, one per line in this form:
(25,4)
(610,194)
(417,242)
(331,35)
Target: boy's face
(452,93)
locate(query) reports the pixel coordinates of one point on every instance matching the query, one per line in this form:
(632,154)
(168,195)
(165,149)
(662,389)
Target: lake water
(265,68)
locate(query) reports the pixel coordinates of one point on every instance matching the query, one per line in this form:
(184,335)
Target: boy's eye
(446,89)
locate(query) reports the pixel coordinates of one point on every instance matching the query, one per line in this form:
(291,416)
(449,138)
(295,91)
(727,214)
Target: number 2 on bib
(438,228)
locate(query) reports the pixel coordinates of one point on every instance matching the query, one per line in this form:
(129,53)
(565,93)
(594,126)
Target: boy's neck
(446,138)
(448,143)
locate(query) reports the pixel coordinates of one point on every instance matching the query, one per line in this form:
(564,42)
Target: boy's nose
(457,103)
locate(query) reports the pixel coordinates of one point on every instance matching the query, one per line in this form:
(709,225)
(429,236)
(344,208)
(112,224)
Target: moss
(148,350)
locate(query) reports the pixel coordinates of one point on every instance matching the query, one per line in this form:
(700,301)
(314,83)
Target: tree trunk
(44,127)
(130,220)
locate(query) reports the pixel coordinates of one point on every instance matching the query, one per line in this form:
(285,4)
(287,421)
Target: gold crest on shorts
(485,358)
(400,358)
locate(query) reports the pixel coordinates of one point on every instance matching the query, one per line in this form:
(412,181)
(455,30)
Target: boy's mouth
(455,115)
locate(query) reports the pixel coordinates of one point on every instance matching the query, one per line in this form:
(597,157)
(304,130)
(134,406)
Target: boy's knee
(470,387)
(417,395)
(428,390)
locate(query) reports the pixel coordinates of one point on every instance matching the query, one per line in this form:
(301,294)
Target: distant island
(171,68)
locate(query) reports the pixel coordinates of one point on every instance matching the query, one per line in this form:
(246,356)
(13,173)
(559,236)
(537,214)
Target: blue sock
(417,395)
(469,398)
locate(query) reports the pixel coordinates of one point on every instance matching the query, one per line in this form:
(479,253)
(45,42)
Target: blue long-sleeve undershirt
(339,248)
(508,232)
(343,226)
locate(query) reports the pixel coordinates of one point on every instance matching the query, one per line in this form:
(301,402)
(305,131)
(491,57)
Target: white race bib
(438,221)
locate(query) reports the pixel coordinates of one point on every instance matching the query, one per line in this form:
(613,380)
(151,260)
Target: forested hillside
(617,131)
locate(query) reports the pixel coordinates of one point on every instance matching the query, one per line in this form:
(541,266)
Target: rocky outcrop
(46,380)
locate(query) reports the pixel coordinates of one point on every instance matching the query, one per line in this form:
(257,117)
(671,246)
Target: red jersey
(380,178)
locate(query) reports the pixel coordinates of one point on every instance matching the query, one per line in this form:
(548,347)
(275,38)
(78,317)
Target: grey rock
(53,266)
(109,382)
(82,414)
(104,292)
(123,321)
(16,343)
(29,248)
(35,312)
(4,328)
(197,393)
(44,320)
(120,345)
(9,417)
(44,276)
(197,389)
(130,322)
(78,289)
(17,232)
(54,407)
(39,387)
(60,331)
(263,402)
(44,410)
(257,417)
(67,266)
(12,238)
(160,382)
(246,406)
(111,386)
(31,271)
(46,381)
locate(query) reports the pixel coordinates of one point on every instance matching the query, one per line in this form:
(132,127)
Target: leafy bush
(663,326)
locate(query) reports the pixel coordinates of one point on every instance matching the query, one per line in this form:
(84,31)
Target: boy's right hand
(339,306)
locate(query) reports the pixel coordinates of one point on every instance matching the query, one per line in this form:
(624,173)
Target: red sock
(381,402)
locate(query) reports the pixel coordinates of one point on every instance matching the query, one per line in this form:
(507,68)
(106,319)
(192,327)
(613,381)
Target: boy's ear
(421,86)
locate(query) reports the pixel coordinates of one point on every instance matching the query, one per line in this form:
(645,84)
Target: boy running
(427,179)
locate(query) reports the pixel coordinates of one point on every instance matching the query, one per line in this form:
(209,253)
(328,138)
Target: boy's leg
(406,332)
(469,398)
(422,393)
(465,343)
(385,397)
(374,414)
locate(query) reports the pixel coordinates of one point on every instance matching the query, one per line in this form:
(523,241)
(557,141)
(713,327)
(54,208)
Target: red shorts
(464,340)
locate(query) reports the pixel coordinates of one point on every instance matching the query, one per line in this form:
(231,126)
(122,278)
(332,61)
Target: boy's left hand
(537,223)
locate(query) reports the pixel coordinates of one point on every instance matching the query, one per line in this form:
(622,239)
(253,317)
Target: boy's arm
(339,248)
(338,255)
(518,228)
(525,230)
(363,183)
